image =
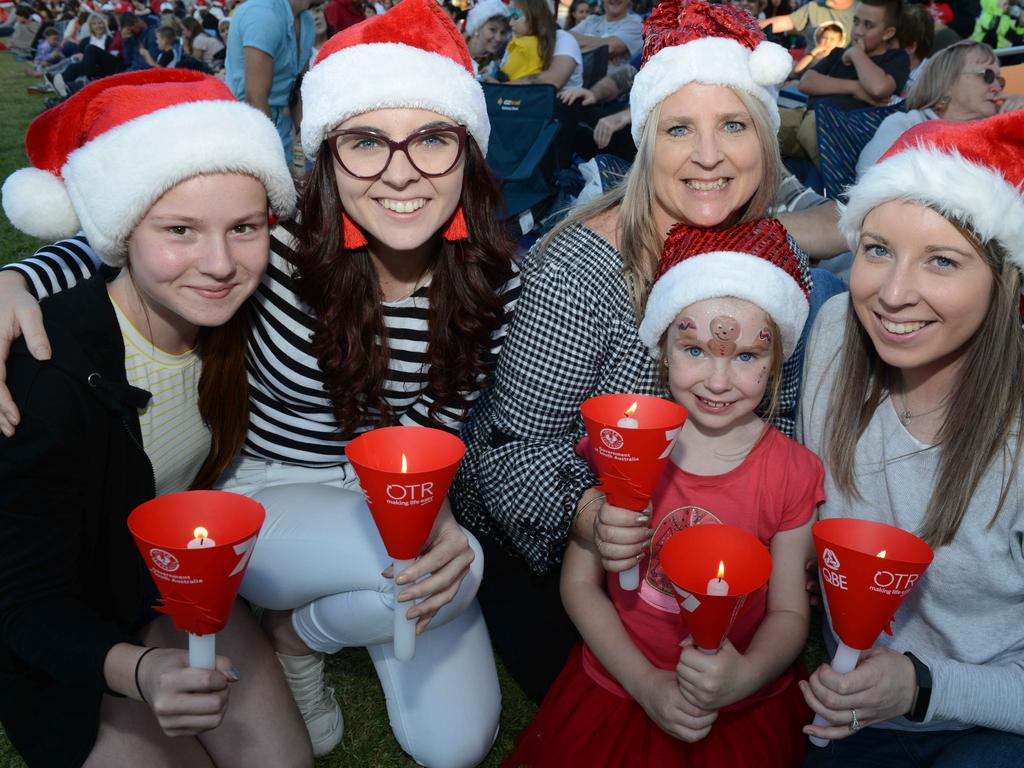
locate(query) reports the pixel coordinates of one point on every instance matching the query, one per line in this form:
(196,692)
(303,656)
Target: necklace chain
(904,414)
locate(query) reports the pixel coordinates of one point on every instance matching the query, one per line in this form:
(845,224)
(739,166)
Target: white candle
(405,629)
(200,539)
(202,651)
(719,586)
(629,579)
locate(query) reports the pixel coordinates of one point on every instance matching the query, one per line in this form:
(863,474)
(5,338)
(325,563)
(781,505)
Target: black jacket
(72,583)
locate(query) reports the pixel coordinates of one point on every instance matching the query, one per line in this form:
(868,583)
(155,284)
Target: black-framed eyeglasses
(989,76)
(366,154)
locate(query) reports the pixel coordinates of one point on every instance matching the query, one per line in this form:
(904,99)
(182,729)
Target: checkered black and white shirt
(574,336)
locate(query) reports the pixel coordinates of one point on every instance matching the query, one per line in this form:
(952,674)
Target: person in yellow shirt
(533,39)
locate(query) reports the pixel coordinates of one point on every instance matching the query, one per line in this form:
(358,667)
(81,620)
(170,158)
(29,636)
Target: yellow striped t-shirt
(173,433)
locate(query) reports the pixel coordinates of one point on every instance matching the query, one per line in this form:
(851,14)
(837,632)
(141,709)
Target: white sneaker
(316,702)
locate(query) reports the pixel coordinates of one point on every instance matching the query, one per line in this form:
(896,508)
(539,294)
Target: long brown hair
(984,407)
(639,241)
(223,394)
(542,24)
(350,339)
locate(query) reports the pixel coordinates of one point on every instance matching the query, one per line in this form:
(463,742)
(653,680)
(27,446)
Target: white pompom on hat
(103,157)
(483,12)
(753,261)
(971,171)
(698,42)
(410,57)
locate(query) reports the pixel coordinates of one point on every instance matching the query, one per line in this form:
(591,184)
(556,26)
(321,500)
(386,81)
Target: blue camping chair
(521,150)
(841,136)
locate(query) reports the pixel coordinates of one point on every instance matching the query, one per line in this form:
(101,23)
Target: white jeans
(320,554)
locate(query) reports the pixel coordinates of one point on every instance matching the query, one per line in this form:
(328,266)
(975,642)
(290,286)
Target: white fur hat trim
(726,273)
(372,76)
(711,61)
(483,12)
(975,194)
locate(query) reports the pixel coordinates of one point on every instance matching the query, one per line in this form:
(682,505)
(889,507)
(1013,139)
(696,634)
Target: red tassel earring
(456,229)
(352,236)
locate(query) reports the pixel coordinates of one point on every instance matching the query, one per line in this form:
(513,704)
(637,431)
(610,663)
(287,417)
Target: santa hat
(697,42)
(752,261)
(103,157)
(412,56)
(483,12)
(971,171)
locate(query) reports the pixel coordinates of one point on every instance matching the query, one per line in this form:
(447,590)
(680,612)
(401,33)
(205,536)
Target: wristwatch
(923,696)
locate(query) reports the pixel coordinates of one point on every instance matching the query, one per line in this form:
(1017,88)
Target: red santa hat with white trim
(412,56)
(688,41)
(754,261)
(971,171)
(103,157)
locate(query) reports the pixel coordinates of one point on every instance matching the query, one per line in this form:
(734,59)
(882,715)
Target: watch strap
(919,708)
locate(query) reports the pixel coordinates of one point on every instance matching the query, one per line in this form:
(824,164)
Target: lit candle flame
(200,533)
(881,554)
(721,570)
(405,465)
(631,410)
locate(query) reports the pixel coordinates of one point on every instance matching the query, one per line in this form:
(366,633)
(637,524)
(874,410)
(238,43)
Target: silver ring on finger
(855,723)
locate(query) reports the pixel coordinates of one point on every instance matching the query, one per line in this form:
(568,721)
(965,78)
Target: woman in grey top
(913,400)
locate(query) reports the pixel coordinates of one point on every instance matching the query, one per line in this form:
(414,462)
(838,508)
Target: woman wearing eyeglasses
(387,304)
(961,82)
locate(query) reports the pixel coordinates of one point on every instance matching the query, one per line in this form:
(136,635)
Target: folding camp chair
(595,65)
(521,151)
(841,136)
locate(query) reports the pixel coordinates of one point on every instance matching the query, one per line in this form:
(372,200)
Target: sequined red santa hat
(970,171)
(753,261)
(103,157)
(698,42)
(412,56)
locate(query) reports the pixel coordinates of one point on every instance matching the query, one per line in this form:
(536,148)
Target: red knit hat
(412,56)
(972,171)
(103,157)
(752,261)
(698,42)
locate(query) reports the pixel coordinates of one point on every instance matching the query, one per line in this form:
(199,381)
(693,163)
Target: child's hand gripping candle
(405,473)
(631,437)
(867,570)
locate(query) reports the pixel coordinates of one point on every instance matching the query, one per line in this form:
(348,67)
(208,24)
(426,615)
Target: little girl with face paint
(727,309)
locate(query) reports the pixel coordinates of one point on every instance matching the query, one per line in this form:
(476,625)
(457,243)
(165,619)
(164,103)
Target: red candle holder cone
(404,505)
(197,585)
(630,459)
(405,473)
(691,557)
(867,570)
(864,590)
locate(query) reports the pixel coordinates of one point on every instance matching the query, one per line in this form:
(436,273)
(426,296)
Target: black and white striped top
(290,418)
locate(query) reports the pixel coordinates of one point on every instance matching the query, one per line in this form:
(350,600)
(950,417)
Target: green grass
(368,740)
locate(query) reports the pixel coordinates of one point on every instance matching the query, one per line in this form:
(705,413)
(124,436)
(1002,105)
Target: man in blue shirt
(139,39)
(269,45)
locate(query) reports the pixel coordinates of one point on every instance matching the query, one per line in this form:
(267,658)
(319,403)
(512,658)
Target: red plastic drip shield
(197,586)
(864,590)
(630,461)
(690,559)
(405,505)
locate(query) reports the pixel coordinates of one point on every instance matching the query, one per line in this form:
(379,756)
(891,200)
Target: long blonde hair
(985,406)
(639,240)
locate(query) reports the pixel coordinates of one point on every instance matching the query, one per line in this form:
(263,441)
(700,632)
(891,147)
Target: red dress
(587,718)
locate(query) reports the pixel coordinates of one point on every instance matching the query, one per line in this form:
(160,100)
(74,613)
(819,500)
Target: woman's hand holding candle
(184,700)
(446,558)
(880,688)
(621,536)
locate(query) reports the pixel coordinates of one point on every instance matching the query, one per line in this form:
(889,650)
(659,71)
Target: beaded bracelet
(138,663)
